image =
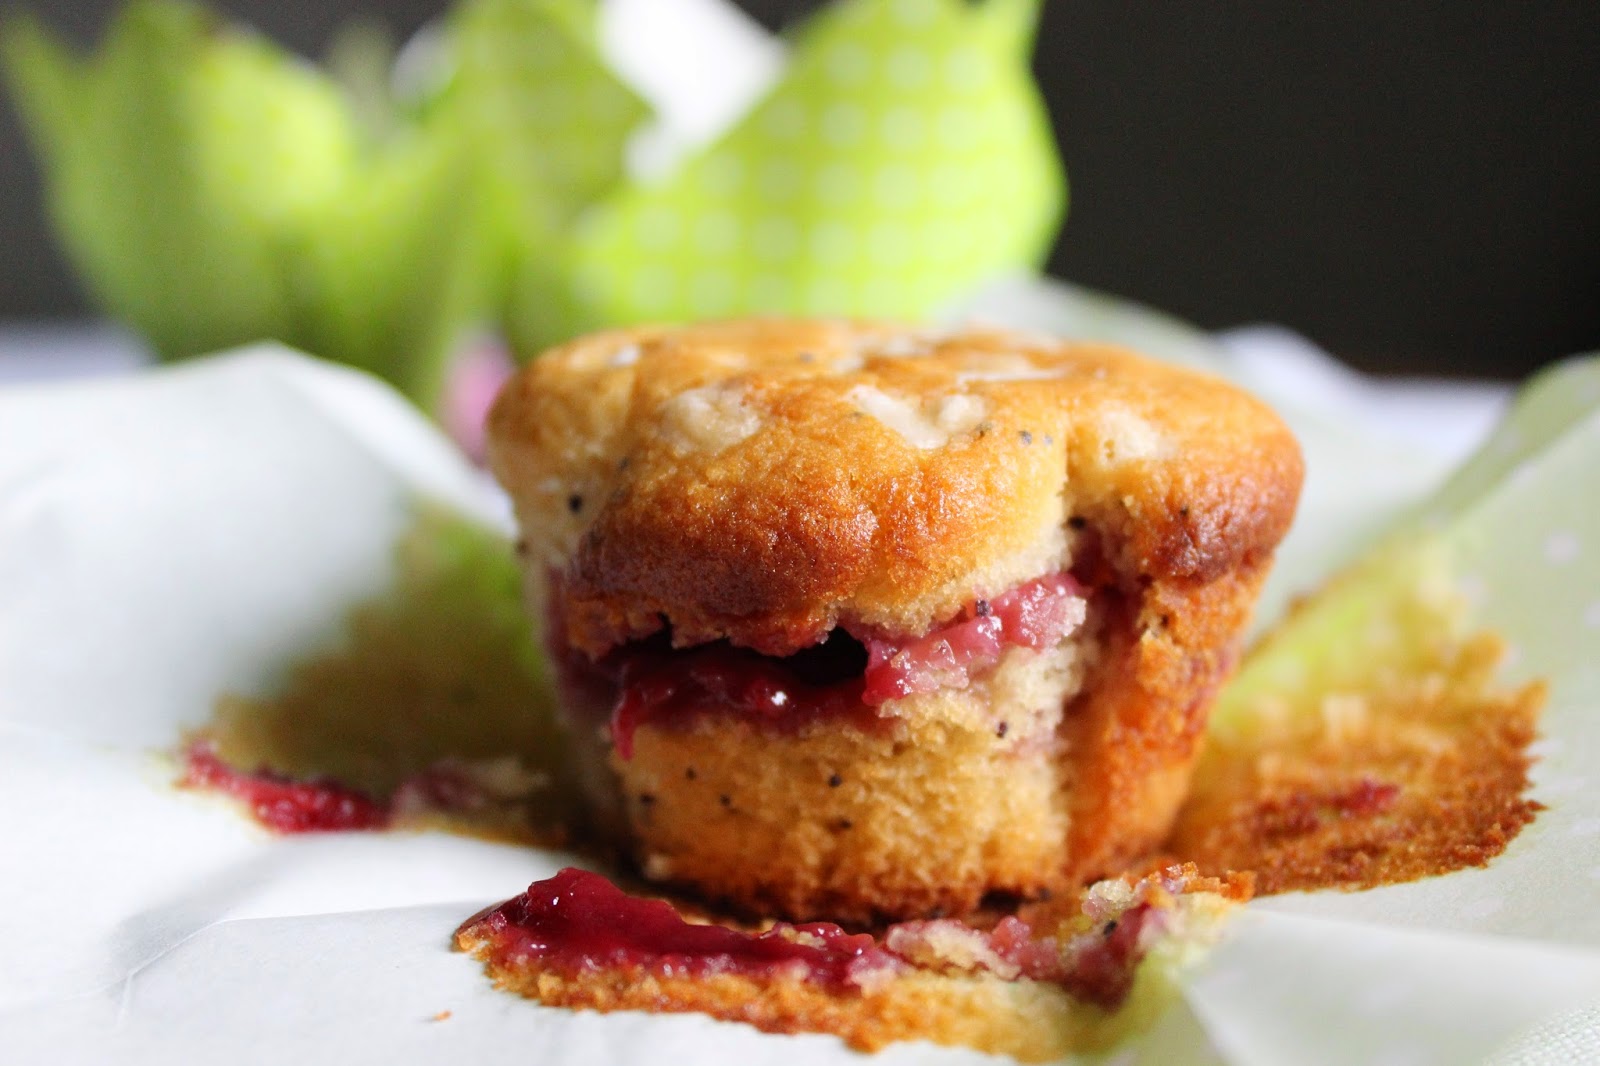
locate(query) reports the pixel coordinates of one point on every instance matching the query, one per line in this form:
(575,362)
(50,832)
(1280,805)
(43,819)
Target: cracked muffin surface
(860,621)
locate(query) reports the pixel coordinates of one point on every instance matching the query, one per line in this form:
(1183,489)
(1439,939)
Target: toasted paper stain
(441,671)
(1369,742)
(1425,775)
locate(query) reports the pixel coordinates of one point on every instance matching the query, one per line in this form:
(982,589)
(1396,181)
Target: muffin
(861,622)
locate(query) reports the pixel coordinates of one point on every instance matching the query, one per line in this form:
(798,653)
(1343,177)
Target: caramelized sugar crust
(764,480)
(1028,1020)
(1419,776)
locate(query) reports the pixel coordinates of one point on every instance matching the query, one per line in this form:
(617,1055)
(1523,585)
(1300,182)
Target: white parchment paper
(170,535)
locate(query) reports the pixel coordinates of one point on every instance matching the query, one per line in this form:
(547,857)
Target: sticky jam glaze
(282,803)
(577,921)
(291,805)
(844,675)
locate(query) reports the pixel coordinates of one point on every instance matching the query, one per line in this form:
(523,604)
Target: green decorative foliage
(213,190)
(904,157)
(154,155)
(548,122)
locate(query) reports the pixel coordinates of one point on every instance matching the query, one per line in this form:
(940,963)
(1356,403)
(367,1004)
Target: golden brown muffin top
(765,480)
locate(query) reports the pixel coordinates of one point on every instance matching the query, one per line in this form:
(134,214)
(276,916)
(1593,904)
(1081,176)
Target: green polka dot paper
(546,116)
(904,156)
(212,190)
(1522,523)
(156,155)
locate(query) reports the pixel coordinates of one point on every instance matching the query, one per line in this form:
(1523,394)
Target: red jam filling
(1100,968)
(578,921)
(775,692)
(840,675)
(1038,615)
(281,803)
(285,804)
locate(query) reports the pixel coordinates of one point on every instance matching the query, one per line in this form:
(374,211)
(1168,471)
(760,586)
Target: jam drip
(577,922)
(282,803)
(287,804)
(1097,966)
(838,678)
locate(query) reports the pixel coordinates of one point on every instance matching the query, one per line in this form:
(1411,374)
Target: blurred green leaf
(42,76)
(549,121)
(153,238)
(387,274)
(360,59)
(904,157)
(213,190)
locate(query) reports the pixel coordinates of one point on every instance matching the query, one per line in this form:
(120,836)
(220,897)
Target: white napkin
(173,534)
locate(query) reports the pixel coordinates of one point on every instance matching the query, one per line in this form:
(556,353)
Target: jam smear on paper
(578,921)
(577,940)
(448,795)
(281,803)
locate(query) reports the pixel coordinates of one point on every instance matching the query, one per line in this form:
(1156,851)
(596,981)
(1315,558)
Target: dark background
(1414,185)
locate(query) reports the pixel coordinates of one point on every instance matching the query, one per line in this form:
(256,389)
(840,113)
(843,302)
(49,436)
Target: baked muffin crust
(767,483)
(763,481)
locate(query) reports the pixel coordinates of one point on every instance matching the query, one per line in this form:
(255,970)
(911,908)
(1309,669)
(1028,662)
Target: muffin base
(1058,768)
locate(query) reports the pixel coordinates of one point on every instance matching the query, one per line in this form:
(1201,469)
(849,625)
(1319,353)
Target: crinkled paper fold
(169,537)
